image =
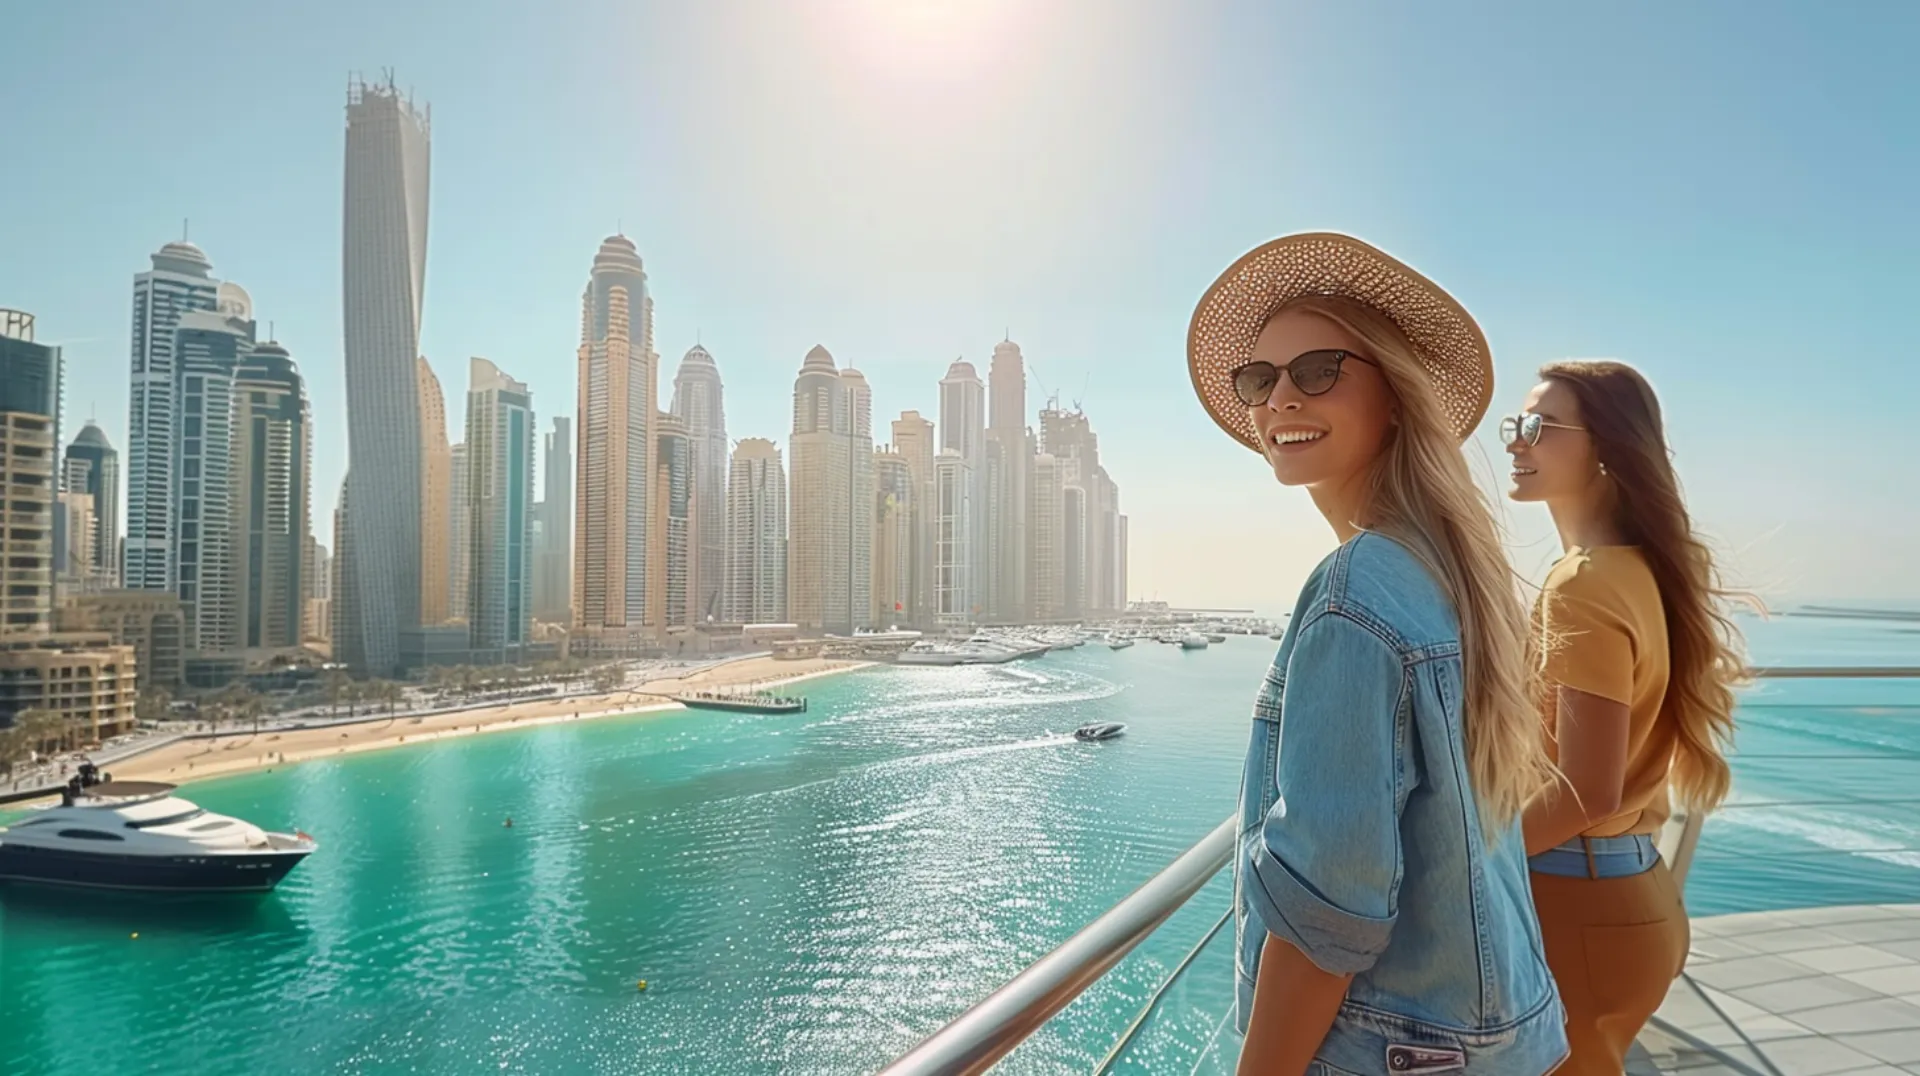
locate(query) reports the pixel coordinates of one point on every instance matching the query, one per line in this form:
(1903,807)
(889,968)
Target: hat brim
(1446,339)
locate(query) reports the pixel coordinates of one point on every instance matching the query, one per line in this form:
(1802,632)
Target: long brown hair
(1422,493)
(1705,662)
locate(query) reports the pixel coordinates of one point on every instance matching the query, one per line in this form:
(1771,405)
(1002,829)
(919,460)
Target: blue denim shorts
(1598,857)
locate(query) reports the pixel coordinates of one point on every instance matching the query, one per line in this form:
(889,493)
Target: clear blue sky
(1721,193)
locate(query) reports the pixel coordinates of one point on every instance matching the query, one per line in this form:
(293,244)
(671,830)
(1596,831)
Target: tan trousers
(1615,945)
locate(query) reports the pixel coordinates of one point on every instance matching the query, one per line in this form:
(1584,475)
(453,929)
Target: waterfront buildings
(700,403)
(829,549)
(384,275)
(440,505)
(756,535)
(674,559)
(893,538)
(1008,462)
(553,528)
(92,467)
(961,556)
(614,457)
(271,453)
(29,404)
(913,439)
(180,280)
(499,457)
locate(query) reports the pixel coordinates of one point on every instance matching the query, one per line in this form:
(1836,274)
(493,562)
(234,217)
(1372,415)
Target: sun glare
(929,38)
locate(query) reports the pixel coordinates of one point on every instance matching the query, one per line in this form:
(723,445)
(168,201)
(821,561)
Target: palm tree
(609,677)
(153,704)
(385,691)
(13,747)
(337,683)
(40,727)
(238,702)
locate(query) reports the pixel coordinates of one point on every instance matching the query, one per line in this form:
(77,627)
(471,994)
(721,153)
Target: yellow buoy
(135,934)
(643,984)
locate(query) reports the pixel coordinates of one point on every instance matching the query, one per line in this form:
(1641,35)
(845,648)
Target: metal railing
(986,1032)
(978,1038)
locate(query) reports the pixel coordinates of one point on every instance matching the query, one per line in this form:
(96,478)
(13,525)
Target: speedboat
(1104,731)
(139,835)
(1118,642)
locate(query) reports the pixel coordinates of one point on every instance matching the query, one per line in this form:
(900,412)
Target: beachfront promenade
(183,751)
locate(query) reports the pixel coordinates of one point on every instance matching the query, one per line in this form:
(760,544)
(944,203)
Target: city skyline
(1092,245)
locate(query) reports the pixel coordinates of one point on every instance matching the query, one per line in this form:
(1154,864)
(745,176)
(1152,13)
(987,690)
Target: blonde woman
(1383,918)
(1640,664)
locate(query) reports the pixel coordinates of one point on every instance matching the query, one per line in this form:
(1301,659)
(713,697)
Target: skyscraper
(1073,551)
(963,418)
(913,439)
(859,453)
(500,433)
(698,401)
(436,489)
(614,458)
(756,535)
(1046,567)
(345,631)
(952,534)
(829,546)
(1069,438)
(181,280)
(271,458)
(893,538)
(1008,466)
(208,349)
(29,400)
(553,517)
(459,513)
(1104,590)
(384,262)
(101,481)
(674,559)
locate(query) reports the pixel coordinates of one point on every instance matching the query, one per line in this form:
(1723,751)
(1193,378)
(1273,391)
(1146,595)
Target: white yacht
(1118,642)
(1193,640)
(971,652)
(139,835)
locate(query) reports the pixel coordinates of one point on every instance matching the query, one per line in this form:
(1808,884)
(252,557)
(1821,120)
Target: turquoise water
(805,893)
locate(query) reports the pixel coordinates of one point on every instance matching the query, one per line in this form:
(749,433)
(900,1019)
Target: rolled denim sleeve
(1325,873)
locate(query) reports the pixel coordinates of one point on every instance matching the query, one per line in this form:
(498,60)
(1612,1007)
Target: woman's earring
(1603,468)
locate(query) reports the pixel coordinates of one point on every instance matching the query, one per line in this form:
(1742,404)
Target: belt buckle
(1425,1060)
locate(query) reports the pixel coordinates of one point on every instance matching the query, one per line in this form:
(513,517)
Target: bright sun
(928,37)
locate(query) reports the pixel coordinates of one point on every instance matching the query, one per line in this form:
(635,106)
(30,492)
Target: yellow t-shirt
(1603,630)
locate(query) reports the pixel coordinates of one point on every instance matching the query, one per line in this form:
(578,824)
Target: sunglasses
(1527,426)
(1313,373)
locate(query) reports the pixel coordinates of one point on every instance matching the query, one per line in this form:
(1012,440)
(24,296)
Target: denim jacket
(1360,842)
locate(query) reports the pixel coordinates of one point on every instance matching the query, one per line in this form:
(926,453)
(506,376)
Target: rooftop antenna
(270,333)
(619,226)
(183,229)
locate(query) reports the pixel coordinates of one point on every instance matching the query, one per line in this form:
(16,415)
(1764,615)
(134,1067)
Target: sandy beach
(192,760)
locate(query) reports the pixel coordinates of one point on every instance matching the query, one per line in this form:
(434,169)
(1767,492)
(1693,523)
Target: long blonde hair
(1422,494)
(1705,663)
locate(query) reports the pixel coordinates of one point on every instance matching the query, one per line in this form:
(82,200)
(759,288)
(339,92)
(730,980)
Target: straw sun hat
(1233,311)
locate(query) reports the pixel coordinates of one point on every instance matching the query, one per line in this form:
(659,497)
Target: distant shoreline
(1847,612)
(200,759)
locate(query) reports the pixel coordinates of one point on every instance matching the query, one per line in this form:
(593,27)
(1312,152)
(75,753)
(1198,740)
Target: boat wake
(930,758)
(1879,839)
